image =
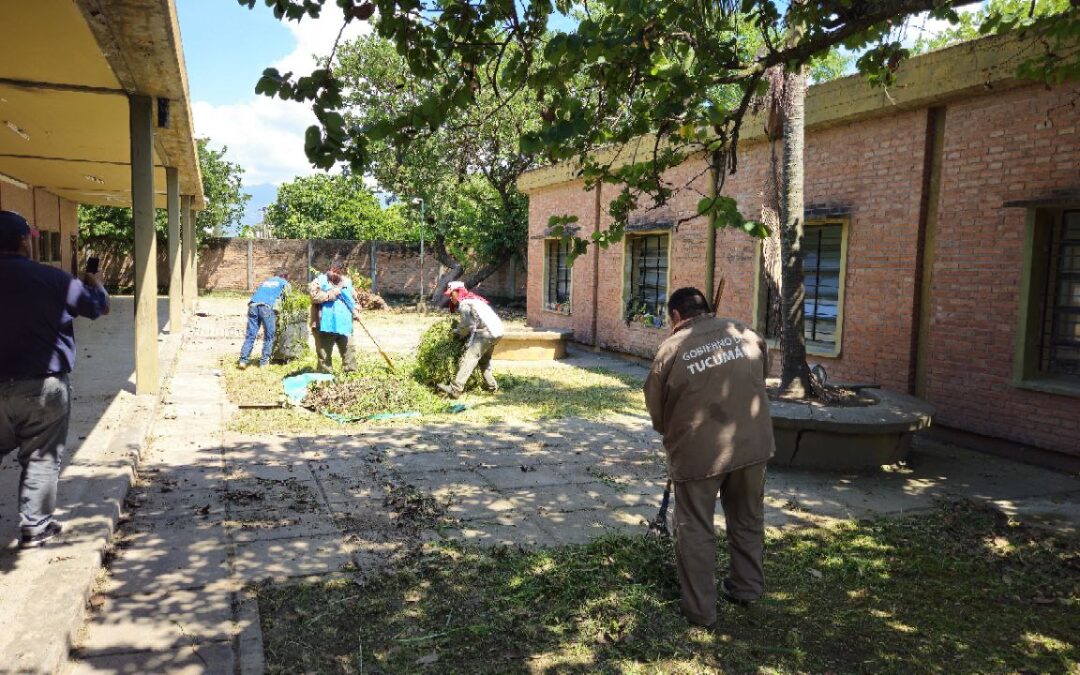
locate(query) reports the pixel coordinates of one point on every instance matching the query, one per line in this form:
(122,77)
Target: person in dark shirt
(37,351)
(261,313)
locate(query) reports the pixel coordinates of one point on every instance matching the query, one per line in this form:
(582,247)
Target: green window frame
(1048,348)
(824,265)
(648,278)
(558,274)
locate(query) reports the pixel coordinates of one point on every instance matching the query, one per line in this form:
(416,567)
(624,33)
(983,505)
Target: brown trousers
(742,495)
(324,349)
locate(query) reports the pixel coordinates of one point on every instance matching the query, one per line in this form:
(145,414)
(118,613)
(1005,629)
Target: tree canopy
(662,70)
(465,171)
(335,206)
(221,181)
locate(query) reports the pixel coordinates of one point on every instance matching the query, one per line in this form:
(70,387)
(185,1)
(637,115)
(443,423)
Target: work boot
(34,540)
(448,389)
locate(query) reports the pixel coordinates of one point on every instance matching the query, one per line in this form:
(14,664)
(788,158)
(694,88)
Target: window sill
(556,312)
(811,349)
(1049,385)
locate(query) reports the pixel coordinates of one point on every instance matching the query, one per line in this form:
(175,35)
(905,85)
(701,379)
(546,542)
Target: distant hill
(262,195)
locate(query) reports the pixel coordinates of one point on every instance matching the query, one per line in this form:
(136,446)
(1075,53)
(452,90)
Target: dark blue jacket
(38,304)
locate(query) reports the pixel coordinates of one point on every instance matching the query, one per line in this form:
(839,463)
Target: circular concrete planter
(814,436)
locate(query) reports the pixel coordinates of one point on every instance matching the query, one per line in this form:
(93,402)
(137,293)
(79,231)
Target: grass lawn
(547,393)
(962,589)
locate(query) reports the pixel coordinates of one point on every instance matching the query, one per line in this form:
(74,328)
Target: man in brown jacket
(706,395)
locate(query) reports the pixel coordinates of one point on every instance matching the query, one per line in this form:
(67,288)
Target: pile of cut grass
(373,390)
(963,589)
(438,354)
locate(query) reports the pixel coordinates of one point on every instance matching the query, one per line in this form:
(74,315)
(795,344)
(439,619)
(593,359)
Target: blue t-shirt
(336,316)
(39,304)
(269,291)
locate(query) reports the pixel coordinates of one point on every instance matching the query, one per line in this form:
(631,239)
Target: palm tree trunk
(795,374)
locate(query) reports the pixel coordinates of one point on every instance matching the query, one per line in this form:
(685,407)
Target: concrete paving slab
(443,482)
(248,494)
(157,622)
(278,524)
(475,502)
(558,498)
(149,562)
(284,558)
(344,491)
(150,502)
(267,472)
(523,476)
(215,658)
(436,460)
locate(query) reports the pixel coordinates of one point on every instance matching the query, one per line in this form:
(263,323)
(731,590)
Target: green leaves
(724,212)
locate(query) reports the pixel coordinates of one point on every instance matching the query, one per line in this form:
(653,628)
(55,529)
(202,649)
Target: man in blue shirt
(261,313)
(37,351)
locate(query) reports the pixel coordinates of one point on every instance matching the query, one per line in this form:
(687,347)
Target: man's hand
(334,293)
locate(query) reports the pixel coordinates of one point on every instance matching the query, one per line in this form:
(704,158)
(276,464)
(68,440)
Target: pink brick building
(943,245)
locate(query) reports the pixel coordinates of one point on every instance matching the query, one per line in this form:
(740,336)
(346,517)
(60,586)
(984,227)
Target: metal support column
(141,112)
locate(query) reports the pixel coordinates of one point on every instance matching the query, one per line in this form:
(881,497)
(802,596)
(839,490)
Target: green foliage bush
(293,309)
(438,355)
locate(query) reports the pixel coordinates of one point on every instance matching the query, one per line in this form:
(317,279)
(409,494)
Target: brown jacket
(706,395)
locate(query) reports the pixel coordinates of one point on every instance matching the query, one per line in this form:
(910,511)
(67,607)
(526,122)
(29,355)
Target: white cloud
(264,135)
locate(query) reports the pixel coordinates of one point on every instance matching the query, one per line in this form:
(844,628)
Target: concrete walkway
(215,511)
(43,591)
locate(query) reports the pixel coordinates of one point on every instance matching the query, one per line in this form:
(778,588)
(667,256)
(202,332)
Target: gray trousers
(324,349)
(34,416)
(742,495)
(477,355)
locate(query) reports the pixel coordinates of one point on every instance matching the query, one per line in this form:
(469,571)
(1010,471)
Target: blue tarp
(296,386)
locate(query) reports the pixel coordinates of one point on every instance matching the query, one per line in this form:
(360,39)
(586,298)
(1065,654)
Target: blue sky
(226,47)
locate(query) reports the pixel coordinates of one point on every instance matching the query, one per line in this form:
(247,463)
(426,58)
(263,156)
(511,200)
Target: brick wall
(1022,144)
(235,264)
(1000,147)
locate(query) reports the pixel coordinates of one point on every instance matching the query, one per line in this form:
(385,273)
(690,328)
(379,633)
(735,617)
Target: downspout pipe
(710,247)
(596,270)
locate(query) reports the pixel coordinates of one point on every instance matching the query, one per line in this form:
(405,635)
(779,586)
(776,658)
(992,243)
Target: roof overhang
(67,68)
(976,67)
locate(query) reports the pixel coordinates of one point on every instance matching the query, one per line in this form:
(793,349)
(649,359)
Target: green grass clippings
(961,590)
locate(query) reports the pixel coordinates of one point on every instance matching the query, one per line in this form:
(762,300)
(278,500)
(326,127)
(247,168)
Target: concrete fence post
(310,258)
(250,264)
(373,270)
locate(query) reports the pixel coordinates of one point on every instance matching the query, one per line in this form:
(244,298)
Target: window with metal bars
(1059,335)
(557,288)
(822,258)
(647,301)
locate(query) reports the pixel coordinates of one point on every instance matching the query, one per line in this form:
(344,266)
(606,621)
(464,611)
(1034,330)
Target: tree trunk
(455,270)
(795,374)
